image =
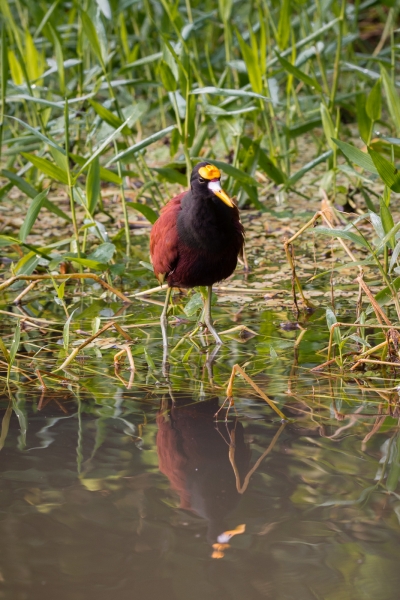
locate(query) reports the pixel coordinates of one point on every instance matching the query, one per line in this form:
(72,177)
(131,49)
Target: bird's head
(206,181)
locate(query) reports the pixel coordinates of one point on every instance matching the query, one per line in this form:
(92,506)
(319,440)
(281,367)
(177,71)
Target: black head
(205,182)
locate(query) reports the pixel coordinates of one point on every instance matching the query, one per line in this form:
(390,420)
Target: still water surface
(111,491)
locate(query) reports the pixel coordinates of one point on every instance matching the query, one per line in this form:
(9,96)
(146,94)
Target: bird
(196,240)
(199,462)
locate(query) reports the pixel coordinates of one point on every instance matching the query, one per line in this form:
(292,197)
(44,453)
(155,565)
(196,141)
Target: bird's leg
(208,319)
(164,319)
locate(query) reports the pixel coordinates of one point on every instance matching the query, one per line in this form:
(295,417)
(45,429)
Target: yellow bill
(216,189)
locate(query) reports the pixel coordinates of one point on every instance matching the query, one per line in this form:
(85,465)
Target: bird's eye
(201,180)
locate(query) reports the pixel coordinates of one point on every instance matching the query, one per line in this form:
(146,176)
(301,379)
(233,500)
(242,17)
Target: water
(123,485)
(128,491)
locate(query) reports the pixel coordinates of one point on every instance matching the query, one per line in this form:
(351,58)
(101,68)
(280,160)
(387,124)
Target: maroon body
(196,241)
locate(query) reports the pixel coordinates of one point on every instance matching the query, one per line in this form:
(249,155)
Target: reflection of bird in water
(194,455)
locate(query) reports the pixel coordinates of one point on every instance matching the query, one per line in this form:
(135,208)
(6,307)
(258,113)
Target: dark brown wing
(164,239)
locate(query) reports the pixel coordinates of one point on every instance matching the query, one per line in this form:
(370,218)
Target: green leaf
(252,193)
(15,342)
(30,191)
(307,167)
(109,117)
(195,303)
(264,162)
(229,92)
(105,8)
(32,215)
(86,262)
(103,253)
(37,134)
(144,210)
(47,167)
(125,154)
(8,240)
(373,106)
(5,423)
(5,352)
(171,175)
(302,127)
(20,183)
(296,72)
(388,172)
(341,233)
(91,34)
(225,10)
(252,64)
(61,289)
(105,174)
(136,112)
(93,186)
(167,77)
(328,126)
(377,225)
(394,257)
(356,156)
(3,63)
(331,320)
(66,330)
(387,222)
(284,25)
(59,58)
(190,124)
(363,120)
(384,296)
(392,97)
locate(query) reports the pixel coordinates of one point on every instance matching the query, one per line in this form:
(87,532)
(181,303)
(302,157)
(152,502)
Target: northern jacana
(197,240)
(203,467)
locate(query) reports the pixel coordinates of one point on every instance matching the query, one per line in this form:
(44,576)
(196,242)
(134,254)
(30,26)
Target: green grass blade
(32,215)
(93,186)
(356,156)
(125,154)
(144,210)
(310,81)
(47,167)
